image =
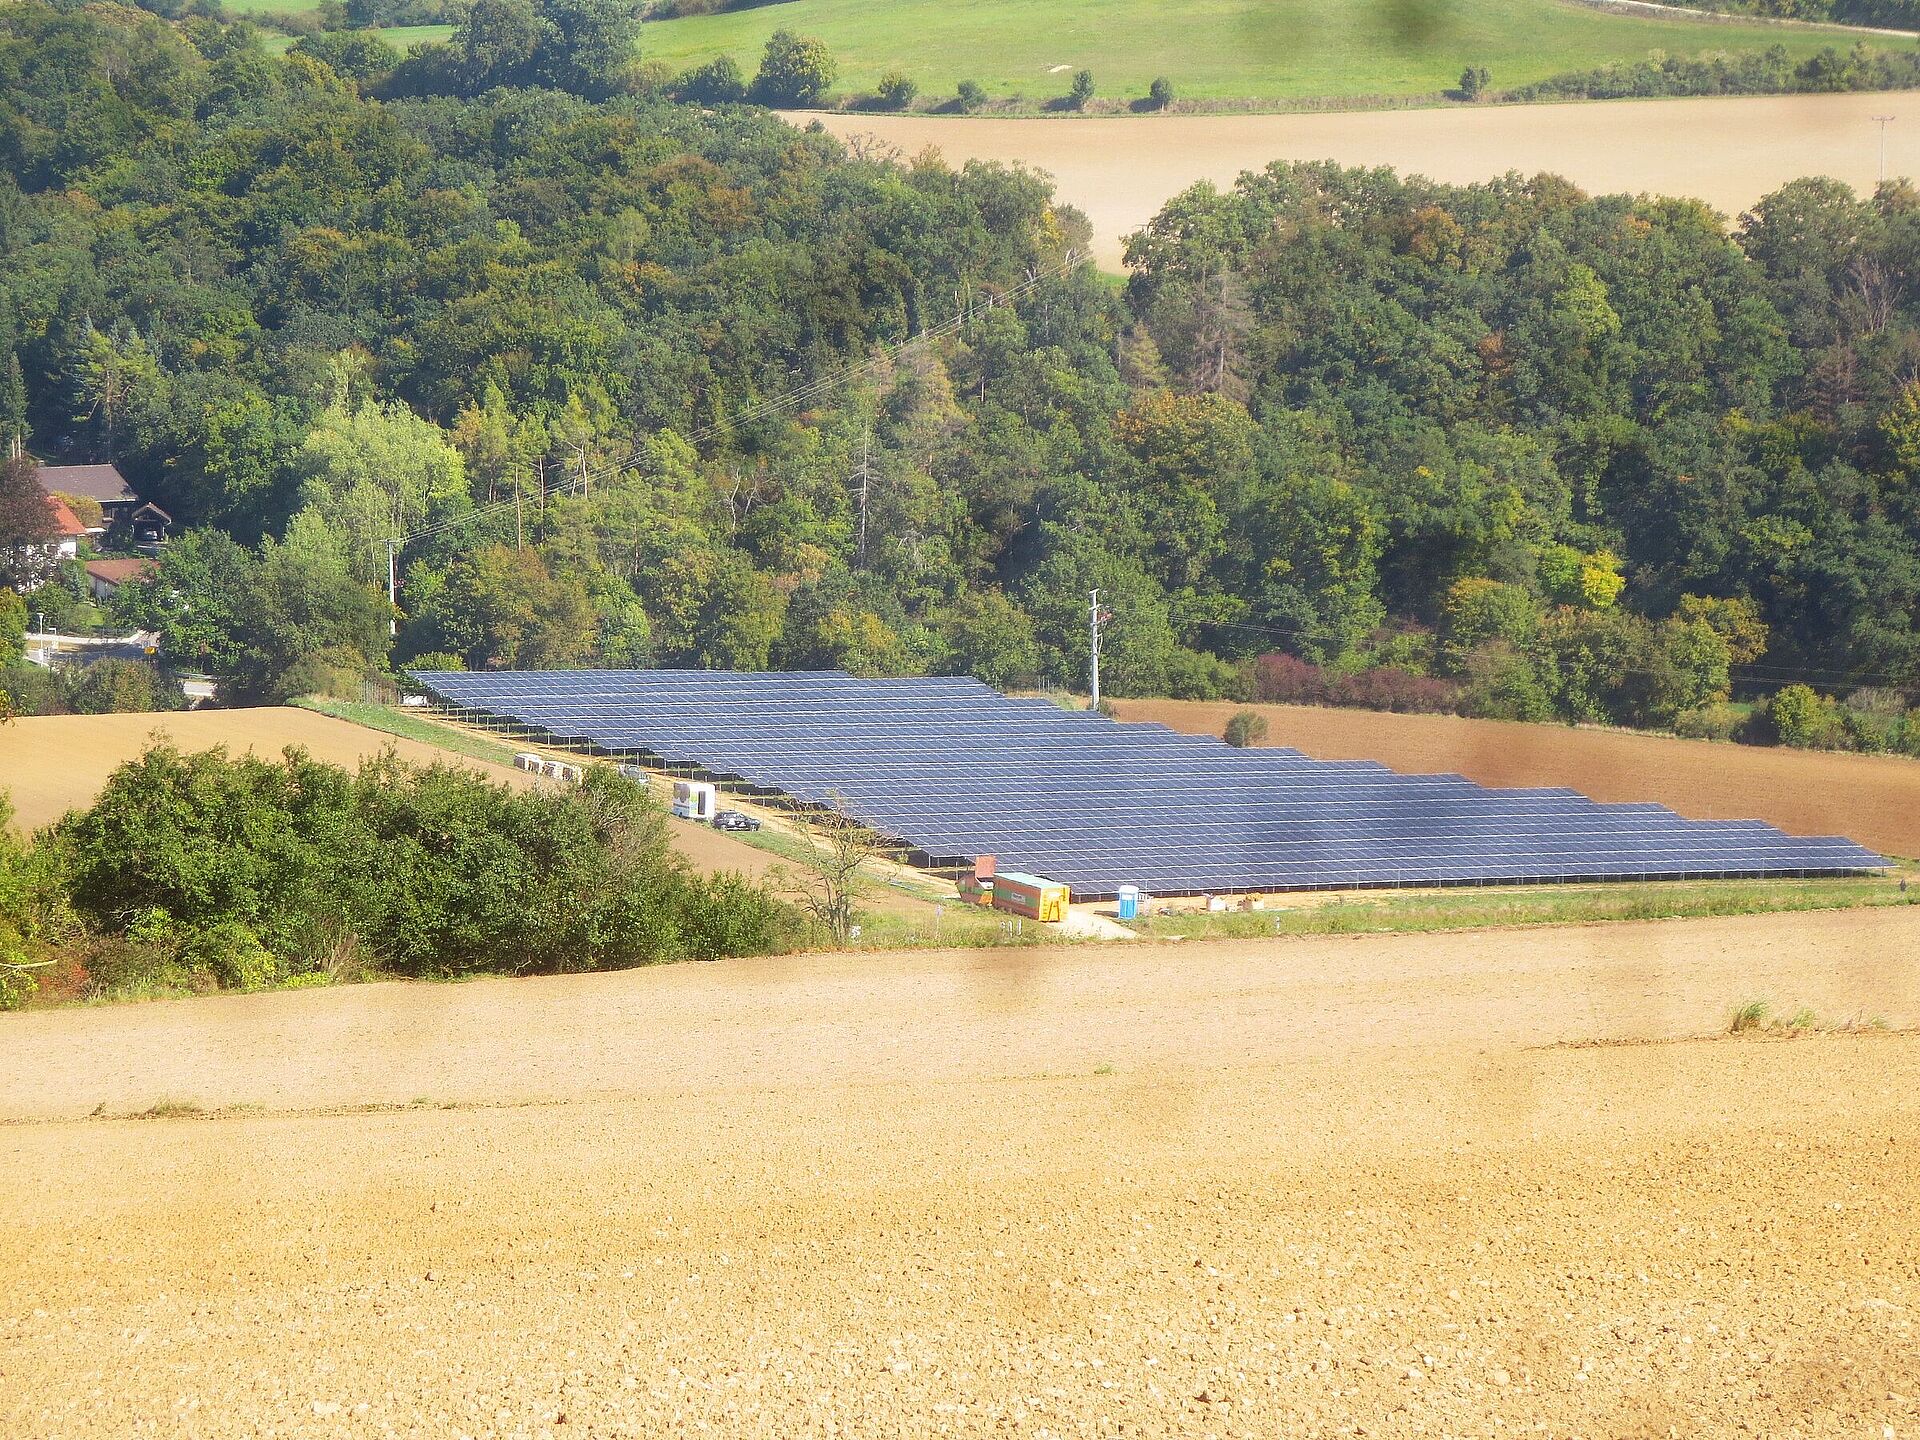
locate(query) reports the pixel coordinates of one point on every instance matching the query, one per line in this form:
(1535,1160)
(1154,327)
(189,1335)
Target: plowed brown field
(1285,1188)
(1874,799)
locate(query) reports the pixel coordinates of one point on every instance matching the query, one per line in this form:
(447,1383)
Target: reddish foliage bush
(1287,680)
(1278,679)
(1392,689)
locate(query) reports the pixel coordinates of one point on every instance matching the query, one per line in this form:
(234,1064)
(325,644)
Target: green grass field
(1274,50)
(257,7)
(391,721)
(402,37)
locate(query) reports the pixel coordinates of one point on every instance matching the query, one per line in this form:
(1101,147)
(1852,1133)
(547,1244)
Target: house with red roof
(68,530)
(106,576)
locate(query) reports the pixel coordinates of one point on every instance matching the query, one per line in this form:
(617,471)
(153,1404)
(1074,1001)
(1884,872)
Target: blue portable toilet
(1129,902)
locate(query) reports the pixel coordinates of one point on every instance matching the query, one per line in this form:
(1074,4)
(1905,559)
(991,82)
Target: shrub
(728,915)
(1502,684)
(118,687)
(718,82)
(1478,610)
(334,670)
(1279,679)
(232,954)
(30,690)
(1196,675)
(970,96)
(18,984)
(1160,93)
(1474,81)
(1804,719)
(1870,732)
(1711,722)
(897,90)
(354,54)
(795,70)
(1387,687)
(1082,90)
(1244,728)
(13,627)
(1402,645)
(120,967)
(435,660)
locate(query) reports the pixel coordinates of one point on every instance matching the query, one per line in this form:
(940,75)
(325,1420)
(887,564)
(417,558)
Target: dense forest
(631,378)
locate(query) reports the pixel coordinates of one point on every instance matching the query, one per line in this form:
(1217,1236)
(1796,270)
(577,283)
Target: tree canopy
(633,377)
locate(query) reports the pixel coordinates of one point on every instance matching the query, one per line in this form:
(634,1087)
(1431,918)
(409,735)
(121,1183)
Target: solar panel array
(957,770)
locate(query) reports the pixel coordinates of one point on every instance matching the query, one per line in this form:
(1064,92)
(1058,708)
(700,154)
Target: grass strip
(389,721)
(1421,914)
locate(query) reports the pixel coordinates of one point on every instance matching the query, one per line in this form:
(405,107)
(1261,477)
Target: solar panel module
(954,770)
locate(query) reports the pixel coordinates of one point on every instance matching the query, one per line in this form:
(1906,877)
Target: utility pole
(1094,616)
(393,593)
(1883,121)
(863,477)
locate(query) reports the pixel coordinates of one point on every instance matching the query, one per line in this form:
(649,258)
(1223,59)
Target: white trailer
(694,800)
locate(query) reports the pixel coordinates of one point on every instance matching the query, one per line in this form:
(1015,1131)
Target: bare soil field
(51,764)
(1233,1190)
(1728,151)
(1874,799)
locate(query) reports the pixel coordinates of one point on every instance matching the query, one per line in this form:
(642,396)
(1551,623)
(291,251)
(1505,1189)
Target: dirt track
(1874,799)
(1726,151)
(1251,1190)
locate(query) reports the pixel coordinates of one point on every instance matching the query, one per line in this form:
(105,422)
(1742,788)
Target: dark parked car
(734,820)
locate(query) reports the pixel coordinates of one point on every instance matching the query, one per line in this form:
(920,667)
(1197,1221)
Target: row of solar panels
(956,770)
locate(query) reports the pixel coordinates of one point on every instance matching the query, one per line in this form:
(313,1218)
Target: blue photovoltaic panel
(957,770)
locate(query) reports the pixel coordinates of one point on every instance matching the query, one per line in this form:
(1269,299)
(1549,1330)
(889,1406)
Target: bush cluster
(1279,679)
(103,687)
(197,871)
(1872,721)
(1769,72)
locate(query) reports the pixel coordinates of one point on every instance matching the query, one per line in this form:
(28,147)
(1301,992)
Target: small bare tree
(830,882)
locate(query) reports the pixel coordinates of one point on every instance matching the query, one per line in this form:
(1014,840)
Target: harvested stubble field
(1240,1190)
(1727,151)
(1874,799)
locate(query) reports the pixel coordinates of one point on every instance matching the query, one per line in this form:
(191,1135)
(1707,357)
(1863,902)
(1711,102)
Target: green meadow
(1276,50)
